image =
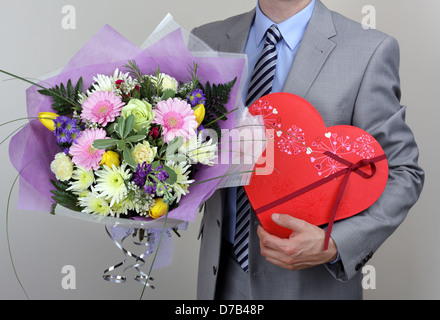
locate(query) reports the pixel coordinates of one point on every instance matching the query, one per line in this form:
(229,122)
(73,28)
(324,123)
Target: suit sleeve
(379,112)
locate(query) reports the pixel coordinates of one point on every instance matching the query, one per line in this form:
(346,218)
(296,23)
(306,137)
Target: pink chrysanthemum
(102,107)
(177,119)
(84,155)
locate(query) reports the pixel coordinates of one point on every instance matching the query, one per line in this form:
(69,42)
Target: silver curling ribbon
(139,260)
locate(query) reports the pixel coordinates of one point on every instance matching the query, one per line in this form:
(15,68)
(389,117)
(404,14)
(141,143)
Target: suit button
(214,270)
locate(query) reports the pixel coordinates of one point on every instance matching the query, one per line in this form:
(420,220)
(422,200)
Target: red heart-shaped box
(299,144)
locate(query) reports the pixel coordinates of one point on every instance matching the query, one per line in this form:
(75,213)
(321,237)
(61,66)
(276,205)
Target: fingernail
(275,216)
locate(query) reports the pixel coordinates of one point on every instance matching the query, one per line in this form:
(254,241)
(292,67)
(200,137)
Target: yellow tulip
(199,112)
(47,119)
(110,158)
(159,209)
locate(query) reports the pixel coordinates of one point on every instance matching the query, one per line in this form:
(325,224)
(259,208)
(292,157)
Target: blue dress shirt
(292,31)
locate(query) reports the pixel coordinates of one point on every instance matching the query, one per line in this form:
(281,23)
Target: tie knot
(273,35)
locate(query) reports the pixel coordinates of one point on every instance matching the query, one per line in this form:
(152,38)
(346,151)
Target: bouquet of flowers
(128,136)
(131,144)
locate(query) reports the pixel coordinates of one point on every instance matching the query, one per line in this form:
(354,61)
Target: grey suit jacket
(351,76)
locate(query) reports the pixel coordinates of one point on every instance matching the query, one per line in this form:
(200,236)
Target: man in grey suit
(351,76)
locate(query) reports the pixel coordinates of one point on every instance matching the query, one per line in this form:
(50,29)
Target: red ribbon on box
(351,167)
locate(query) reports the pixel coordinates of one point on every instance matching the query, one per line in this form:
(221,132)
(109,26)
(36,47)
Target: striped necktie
(264,71)
(260,85)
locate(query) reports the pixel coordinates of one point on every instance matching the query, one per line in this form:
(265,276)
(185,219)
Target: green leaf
(129,125)
(162,150)
(121,145)
(215,99)
(121,127)
(176,142)
(104,143)
(172,153)
(155,164)
(79,86)
(135,138)
(134,70)
(128,157)
(172,175)
(168,94)
(63,197)
(135,94)
(111,128)
(143,132)
(52,208)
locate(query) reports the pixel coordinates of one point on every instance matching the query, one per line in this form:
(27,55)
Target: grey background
(33,43)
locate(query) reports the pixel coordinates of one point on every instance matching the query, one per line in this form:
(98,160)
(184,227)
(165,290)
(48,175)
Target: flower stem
(155,255)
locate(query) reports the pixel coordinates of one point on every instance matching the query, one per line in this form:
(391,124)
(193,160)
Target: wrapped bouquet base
(131,137)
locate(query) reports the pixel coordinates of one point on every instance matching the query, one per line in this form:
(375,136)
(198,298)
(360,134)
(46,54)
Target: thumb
(289,222)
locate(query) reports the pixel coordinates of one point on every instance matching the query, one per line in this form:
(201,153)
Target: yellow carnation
(62,166)
(143,152)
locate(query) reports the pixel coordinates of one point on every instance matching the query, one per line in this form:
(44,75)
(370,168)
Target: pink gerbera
(84,155)
(102,107)
(177,119)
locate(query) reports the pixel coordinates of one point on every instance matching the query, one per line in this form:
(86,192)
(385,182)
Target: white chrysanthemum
(110,183)
(82,180)
(180,187)
(207,153)
(198,151)
(81,98)
(62,166)
(94,204)
(122,207)
(102,83)
(83,193)
(108,83)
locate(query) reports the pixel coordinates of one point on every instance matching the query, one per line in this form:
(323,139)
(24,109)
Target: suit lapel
(314,49)
(237,35)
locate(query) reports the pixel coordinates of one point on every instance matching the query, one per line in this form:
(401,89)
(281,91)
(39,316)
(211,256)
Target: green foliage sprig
(65,97)
(64,197)
(216,97)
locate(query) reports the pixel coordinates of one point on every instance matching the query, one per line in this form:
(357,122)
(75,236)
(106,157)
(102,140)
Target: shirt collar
(291,29)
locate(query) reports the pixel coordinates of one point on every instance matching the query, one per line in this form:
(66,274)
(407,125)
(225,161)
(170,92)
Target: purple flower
(75,135)
(59,124)
(196,97)
(63,137)
(152,181)
(150,189)
(70,126)
(140,176)
(66,130)
(162,175)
